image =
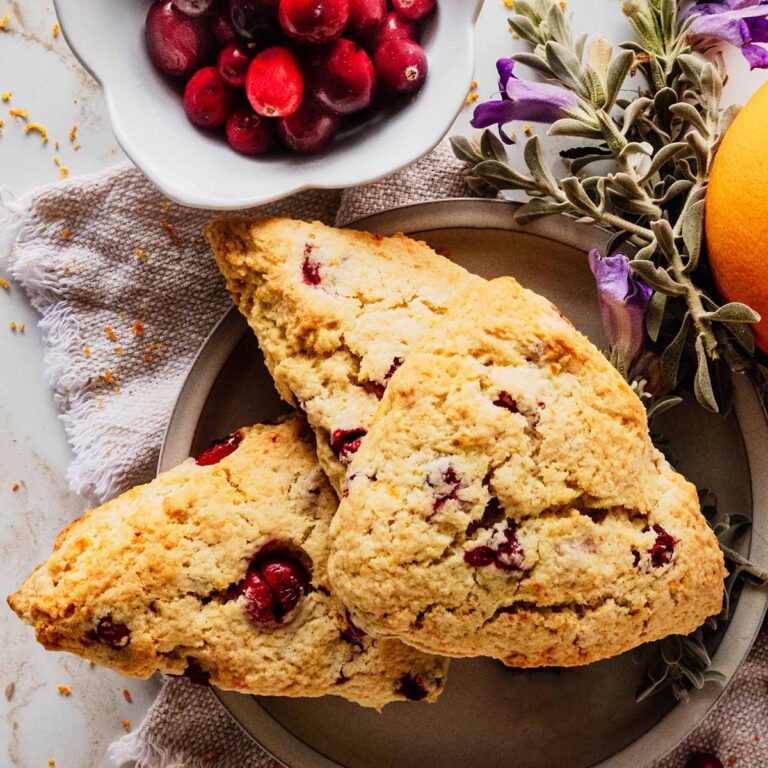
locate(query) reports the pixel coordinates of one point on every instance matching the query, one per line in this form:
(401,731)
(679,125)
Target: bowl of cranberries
(226,104)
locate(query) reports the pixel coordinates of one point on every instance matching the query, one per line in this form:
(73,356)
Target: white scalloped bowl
(200,170)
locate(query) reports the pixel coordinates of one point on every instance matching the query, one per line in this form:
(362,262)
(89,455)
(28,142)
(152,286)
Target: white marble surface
(39,723)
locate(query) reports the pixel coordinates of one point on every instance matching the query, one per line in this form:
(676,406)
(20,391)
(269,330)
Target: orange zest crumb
(4,284)
(77,147)
(147,358)
(118,350)
(165,205)
(86,351)
(73,133)
(140,254)
(127,725)
(509,3)
(170,230)
(64,172)
(4,21)
(116,390)
(111,335)
(39,129)
(527,130)
(56,160)
(51,763)
(2,123)
(63,690)
(138,328)
(563,4)
(13,326)
(108,377)
(22,113)
(6,95)
(56,145)
(66,234)
(127,696)
(22,327)
(56,29)
(15,486)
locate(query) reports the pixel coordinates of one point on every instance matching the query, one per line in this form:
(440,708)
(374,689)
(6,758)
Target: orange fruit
(737,212)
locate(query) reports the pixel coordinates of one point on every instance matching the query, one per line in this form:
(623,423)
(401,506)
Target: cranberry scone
(508,501)
(336,312)
(217,570)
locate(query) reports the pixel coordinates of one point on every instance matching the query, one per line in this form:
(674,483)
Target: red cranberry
(272,588)
(379,387)
(502,550)
(412,688)
(233,64)
(663,548)
(222,27)
(193,7)
(505,400)
(249,133)
(480,557)
(401,66)
(703,760)
(366,18)
(111,633)
(310,270)
(219,449)
(344,79)
(394,28)
(274,84)
(346,442)
(314,21)
(207,98)
(252,19)
(447,484)
(309,128)
(413,10)
(177,44)
(350,630)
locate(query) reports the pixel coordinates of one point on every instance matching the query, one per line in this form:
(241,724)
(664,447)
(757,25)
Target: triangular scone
(219,570)
(336,312)
(508,501)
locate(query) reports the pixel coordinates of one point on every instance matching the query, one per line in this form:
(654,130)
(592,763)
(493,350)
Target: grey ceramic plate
(492,716)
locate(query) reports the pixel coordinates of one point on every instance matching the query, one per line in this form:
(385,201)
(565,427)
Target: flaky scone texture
(508,501)
(336,312)
(162,560)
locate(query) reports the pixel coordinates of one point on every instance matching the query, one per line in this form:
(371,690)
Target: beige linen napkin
(127,292)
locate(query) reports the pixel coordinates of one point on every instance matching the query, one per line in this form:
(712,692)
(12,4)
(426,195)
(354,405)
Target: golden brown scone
(508,501)
(219,570)
(335,311)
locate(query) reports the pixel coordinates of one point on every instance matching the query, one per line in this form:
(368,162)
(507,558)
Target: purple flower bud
(742,23)
(520,100)
(623,302)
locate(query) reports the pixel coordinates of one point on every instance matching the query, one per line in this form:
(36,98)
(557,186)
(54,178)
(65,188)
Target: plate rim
(472,213)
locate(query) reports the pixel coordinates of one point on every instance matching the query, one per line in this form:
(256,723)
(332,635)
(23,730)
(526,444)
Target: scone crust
(162,557)
(336,311)
(507,425)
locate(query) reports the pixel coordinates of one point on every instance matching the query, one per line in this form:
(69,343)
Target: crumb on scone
(508,501)
(336,312)
(217,570)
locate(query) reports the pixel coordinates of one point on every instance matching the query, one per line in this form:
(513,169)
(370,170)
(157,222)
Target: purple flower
(741,23)
(623,302)
(534,102)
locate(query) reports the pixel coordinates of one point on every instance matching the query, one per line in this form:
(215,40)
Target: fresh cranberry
(219,449)
(252,19)
(310,269)
(233,63)
(222,27)
(366,18)
(346,442)
(343,78)
(249,133)
(395,27)
(502,550)
(401,66)
(505,400)
(208,99)
(309,128)
(663,548)
(314,21)
(379,387)
(446,483)
(272,588)
(413,10)
(177,44)
(111,633)
(274,84)
(703,760)
(193,7)
(412,688)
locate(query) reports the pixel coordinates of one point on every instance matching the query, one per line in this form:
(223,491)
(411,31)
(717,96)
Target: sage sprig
(642,173)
